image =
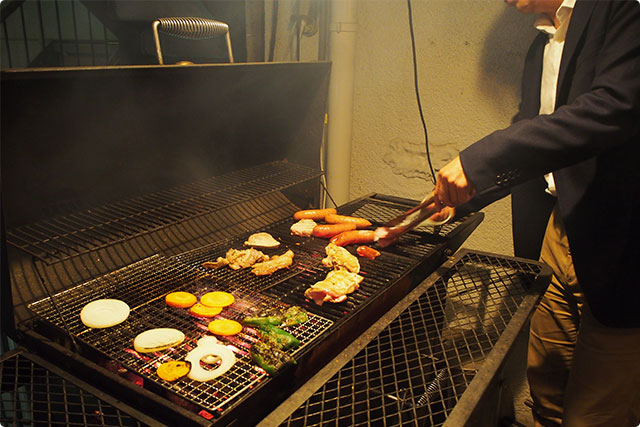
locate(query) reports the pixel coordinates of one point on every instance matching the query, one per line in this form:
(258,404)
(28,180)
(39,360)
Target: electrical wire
(417,90)
(274,26)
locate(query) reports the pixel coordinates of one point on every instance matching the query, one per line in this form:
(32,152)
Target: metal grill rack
(143,287)
(423,362)
(288,285)
(64,237)
(34,392)
(142,284)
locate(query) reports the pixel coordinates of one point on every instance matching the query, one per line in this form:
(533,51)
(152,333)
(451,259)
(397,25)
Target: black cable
(326,190)
(415,83)
(274,25)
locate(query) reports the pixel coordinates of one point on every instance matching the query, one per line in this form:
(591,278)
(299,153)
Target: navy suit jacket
(592,145)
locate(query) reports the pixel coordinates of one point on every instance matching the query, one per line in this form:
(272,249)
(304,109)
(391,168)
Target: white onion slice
(104,313)
(157,339)
(207,340)
(198,373)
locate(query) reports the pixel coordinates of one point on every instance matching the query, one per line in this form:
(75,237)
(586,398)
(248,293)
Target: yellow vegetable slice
(181,299)
(204,311)
(174,369)
(224,327)
(217,299)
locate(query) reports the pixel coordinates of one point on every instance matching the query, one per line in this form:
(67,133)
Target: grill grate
(32,394)
(416,370)
(83,232)
(143,286)
(289,285)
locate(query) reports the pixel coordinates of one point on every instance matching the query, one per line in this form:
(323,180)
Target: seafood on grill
(262,240)
(338,257)
(238,259)
(274,264)
(335,287)
(303,228)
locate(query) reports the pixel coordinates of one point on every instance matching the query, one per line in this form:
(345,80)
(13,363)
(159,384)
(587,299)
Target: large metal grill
(34,392)
(422,367)
(143,285)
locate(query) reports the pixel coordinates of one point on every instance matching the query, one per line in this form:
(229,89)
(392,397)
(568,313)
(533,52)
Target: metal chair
(192,29)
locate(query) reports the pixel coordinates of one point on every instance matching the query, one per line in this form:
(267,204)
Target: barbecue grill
(128,202)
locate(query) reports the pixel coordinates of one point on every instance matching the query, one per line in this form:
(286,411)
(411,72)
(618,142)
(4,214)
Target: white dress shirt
(551,64)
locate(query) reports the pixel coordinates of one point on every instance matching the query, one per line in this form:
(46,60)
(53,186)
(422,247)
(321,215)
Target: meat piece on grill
(335,287)
(303,228)
(237,259)
(262,240)
(275,263)
(339,257)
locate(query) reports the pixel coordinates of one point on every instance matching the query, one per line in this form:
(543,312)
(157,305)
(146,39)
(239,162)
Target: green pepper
(294,315)
(270,358)
(279,338)
(261,322)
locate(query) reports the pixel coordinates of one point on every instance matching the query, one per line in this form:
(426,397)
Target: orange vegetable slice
(180,299)
(204,311)
(224,327)
(217,299)
(172,370)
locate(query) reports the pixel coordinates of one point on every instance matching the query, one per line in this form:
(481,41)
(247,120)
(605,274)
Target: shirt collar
(544,23)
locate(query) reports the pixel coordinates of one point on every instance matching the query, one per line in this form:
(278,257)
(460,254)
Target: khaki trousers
(580,372)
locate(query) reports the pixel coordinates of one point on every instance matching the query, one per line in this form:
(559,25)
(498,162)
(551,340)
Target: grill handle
(192,29)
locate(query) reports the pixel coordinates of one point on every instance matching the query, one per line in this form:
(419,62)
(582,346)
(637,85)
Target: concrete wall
(469,57)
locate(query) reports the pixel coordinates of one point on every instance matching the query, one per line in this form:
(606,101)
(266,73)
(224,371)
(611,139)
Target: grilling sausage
(367,252)
(329,230)
(354,236)
(315,214)
(345,219)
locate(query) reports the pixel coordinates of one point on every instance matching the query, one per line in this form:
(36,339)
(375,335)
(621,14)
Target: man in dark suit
(571,162)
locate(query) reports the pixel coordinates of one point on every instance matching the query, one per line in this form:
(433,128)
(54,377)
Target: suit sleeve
(606,115)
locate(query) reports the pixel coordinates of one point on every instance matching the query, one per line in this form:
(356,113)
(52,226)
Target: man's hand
(452,187)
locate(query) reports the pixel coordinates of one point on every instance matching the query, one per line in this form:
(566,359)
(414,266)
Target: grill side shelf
(37,392)
(431,359)
(61,238)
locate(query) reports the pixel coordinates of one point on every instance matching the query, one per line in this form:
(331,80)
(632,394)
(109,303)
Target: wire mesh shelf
(417,369)
(32,394)
(61,238)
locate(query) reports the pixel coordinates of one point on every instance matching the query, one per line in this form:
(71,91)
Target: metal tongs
(415,216)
